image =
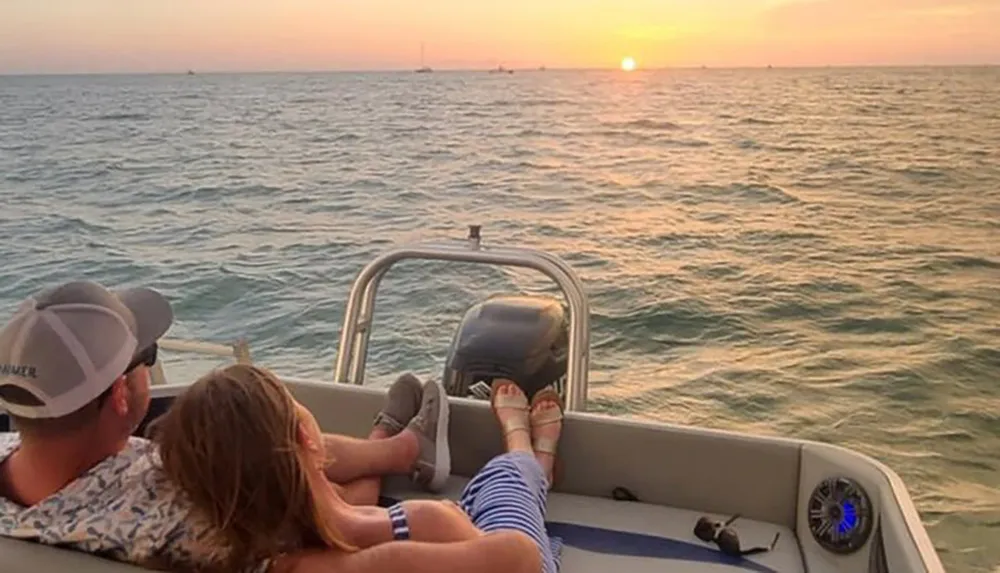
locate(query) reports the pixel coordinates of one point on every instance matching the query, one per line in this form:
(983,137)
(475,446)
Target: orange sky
(174,35)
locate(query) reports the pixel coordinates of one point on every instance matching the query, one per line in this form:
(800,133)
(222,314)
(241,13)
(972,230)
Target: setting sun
(628,63)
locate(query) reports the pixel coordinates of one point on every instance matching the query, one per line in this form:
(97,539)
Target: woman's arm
(429,520)
(500,552)
(366,526)
(439,521)
(359,492)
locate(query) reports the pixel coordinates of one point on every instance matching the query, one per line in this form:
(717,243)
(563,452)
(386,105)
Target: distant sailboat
(423,69)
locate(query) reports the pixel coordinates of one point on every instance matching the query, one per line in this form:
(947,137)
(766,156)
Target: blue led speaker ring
(849,518)
(840,515)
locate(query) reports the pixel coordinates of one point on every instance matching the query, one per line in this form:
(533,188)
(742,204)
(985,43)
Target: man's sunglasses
(145,358)
(726,538)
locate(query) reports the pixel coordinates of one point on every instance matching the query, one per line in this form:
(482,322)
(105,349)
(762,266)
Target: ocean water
(811,253)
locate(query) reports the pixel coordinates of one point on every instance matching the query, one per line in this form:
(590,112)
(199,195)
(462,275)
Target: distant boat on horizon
(423,69)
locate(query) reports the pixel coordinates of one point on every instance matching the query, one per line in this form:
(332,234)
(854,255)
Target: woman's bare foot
(510,406)
(546,426)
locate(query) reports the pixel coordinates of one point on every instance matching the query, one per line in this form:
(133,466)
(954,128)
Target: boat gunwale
(916,532)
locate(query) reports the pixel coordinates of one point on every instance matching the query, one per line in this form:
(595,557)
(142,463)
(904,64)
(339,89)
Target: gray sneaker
(401,404)
(433,465)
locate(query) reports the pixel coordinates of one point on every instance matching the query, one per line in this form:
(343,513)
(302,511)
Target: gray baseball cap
(68,344)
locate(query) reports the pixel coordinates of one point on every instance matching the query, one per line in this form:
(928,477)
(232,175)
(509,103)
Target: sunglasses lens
(728,542)
(145,358)
(705,529)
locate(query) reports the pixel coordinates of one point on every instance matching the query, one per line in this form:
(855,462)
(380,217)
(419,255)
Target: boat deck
(601,535)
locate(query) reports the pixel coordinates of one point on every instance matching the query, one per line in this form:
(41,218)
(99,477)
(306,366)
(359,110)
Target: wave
(531,102)
(743,192)
(758,121)
(120,117)
(650,124)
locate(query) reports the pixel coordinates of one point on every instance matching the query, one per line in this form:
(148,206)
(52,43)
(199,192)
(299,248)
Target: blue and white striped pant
(509,493)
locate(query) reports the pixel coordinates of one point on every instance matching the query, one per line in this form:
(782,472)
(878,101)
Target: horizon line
(488,69)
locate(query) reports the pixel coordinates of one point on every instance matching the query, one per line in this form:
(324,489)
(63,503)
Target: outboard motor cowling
(522,338)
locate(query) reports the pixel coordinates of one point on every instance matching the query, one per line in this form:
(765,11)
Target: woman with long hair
(250,460)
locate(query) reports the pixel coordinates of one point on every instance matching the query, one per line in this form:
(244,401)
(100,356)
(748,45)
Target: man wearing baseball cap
(74,379)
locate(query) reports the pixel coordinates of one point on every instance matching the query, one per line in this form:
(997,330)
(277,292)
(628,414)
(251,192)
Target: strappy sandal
(517,401)
(550,416)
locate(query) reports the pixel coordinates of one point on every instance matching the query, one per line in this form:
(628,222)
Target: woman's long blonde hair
(231,443)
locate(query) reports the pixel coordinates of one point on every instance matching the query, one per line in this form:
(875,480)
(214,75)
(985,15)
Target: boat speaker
(840,515)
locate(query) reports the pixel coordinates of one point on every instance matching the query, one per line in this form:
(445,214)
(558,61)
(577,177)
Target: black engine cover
(522,338)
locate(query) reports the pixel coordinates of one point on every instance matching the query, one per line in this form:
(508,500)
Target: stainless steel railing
(238,351)
(354,336)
